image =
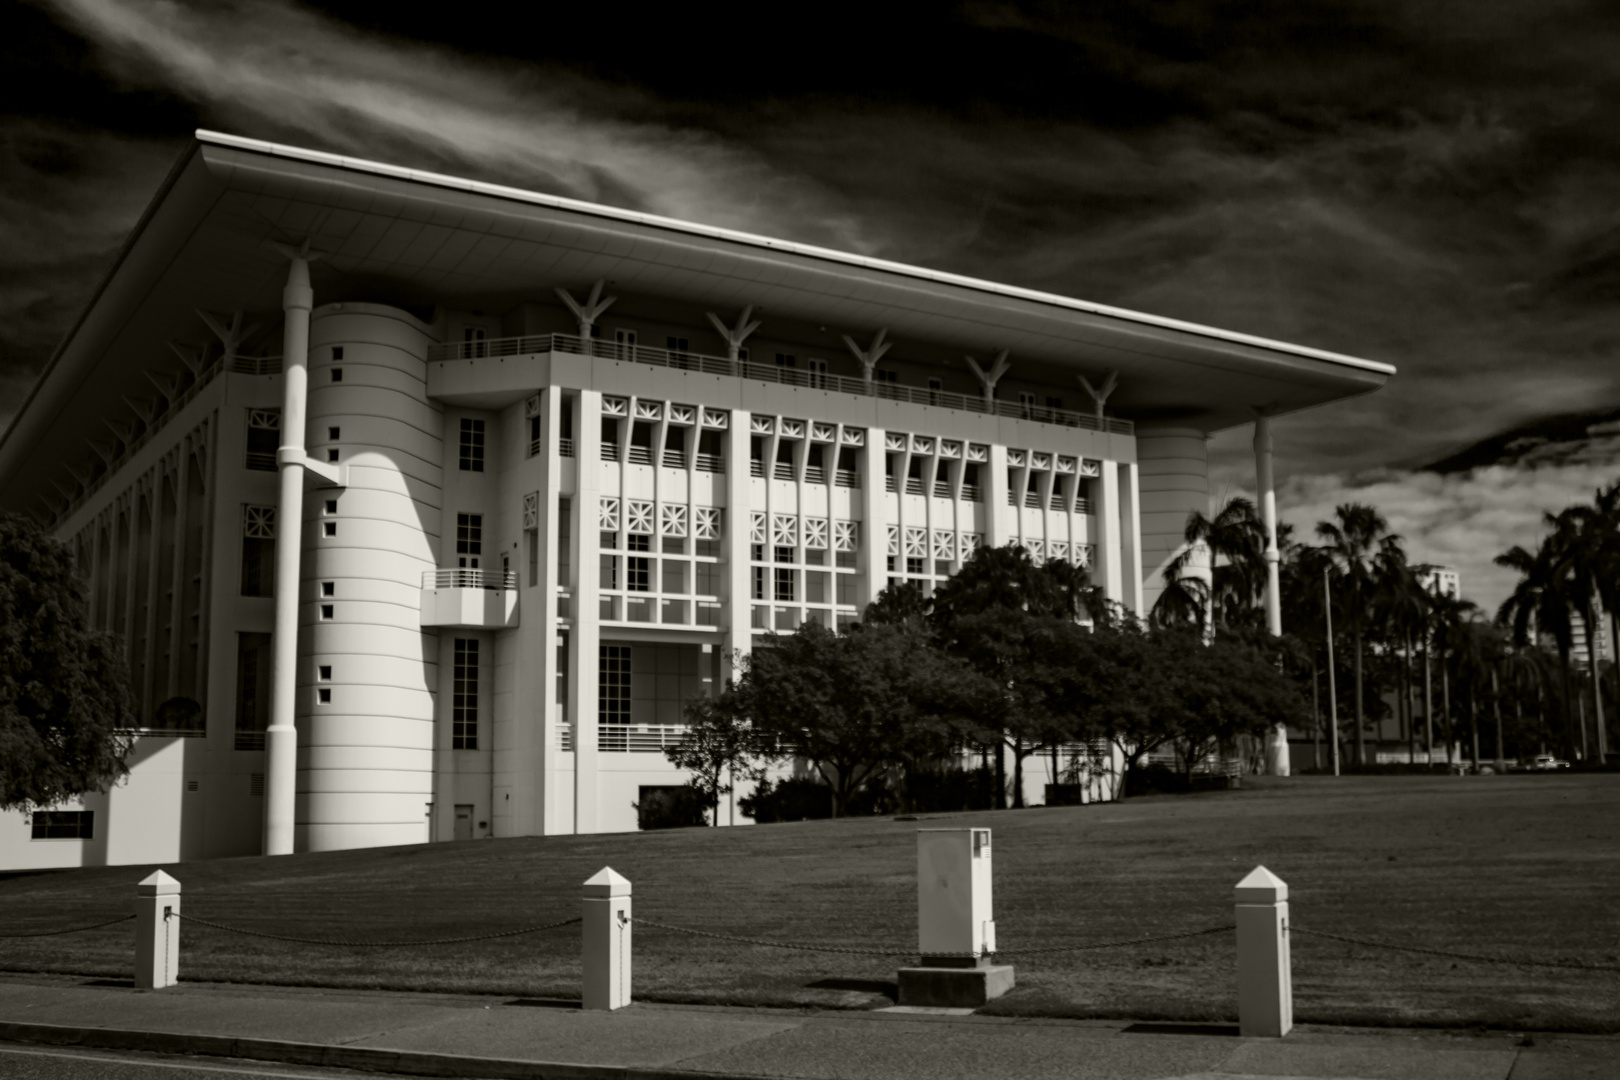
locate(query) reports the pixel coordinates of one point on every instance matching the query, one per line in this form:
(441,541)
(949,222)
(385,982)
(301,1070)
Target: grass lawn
(1516,866)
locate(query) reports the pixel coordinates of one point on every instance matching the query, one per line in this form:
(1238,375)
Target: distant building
(1443,579)
(1600,637)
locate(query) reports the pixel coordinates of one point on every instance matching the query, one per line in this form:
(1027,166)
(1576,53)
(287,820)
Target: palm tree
(1300,576)
(1235,540)
(1402,607)
(1540,604)
(1590,557)
(1353,542)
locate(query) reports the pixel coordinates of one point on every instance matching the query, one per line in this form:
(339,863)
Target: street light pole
(1333,683)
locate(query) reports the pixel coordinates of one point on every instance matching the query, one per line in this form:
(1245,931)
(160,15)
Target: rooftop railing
(744,369)
(467,578)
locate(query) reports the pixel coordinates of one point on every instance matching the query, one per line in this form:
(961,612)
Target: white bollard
(157,932)
(1265,970)
(605,939)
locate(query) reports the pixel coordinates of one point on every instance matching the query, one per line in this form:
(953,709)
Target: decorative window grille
(894,540)
(784,530)
(1036,549)
(944,544)
(264,437)
(472,445)
(1058,550)
(1085,554)
(707,525)
(259,522)
(531,510)
(916,543)
(815,533)
(464,718)
(845,536)
(969,544)
(672,519)
(607,515)
(1090,468)
(757,528)
(639,517)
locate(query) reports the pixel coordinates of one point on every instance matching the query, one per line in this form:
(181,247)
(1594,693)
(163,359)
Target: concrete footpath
(501,1037)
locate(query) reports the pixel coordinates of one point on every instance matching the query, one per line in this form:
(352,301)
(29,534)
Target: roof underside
(406,238)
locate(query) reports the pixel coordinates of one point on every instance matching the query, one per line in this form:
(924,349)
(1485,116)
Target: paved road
(37,1063)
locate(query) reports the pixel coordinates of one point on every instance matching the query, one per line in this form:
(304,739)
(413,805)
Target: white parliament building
(422,505)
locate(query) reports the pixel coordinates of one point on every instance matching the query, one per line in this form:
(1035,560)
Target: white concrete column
(281,738)
(1267,494)
(157,932)
(874,528)
(734,546)
(1108,569)
(1265,969)
(999,518)
(585,646)
(1131,537)
(605,940)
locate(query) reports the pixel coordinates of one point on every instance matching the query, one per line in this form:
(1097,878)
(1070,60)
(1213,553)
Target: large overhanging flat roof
(407,236)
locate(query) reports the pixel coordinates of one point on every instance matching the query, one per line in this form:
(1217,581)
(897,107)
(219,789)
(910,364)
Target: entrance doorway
(464,829)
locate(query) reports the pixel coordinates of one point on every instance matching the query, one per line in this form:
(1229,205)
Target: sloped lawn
(1517,866)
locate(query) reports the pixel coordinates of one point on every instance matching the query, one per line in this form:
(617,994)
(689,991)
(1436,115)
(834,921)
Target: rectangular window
(469,539)
(888,375)
(610,572)
(565,542)
(674,577)
(637,573)
(708,579)
(258,550)
(846,589)
(759,583)
(638,542)
(252,690)
(711,455)
(846,560)
(464,708)
(815,587)
(786,360)
(531,542)
(613,685)
(328,528)
(784,554)
(472,445)
(337,374)
(914,565)
(784,585)
(263,438)
(337,352)
(64,825)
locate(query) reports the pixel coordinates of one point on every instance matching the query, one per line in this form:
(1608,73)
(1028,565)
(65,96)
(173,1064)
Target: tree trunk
(1361,735)
(1586,753)
(1018,774)
(1445,698)
(1428,704)
(1473,721)
(1569,716)
(1496,710)
(1001,776)
(1406,699)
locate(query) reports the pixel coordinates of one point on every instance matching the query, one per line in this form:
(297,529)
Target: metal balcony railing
(742,369)
(465,578)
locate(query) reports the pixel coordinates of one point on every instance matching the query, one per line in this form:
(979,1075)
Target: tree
(1540,605)
(1235,540)
(1221,690)
(65,701)
(1586,561)
(1353,541)
(719,748)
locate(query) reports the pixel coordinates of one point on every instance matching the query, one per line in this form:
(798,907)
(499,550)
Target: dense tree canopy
(64,690)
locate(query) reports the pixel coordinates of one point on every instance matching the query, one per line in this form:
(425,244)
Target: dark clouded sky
(1436,184)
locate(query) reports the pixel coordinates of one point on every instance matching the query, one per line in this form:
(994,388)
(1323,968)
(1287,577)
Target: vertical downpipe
(281,739)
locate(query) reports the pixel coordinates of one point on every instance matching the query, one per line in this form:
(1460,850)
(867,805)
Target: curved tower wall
(1173,477)
(365,759)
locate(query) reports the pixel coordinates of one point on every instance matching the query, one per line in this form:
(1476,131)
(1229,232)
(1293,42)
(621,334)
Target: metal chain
(1473,957)
(74,930)
(775,944)
(375,944)
(1118,944)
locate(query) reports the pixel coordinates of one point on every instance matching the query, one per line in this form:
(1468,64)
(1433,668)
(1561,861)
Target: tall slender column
(1268,509)
(281,738)
(585,644)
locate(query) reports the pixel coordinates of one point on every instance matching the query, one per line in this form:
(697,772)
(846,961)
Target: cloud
(265,68)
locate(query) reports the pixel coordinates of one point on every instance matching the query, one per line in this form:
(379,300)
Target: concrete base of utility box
(954,988)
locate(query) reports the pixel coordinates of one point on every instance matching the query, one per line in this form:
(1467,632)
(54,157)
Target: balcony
(469,599)
(742,369)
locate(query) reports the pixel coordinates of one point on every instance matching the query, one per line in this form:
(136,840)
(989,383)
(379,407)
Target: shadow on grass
(863,986)
(120,984)
(545,1003)
(1181,1029)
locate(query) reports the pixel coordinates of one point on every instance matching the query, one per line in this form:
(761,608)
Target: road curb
(361,1058)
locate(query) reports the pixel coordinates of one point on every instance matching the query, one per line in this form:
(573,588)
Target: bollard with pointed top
(605,940)
(157,932)
(1265,970)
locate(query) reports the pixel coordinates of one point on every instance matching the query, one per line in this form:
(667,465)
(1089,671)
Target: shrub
(671,808)
(789,799)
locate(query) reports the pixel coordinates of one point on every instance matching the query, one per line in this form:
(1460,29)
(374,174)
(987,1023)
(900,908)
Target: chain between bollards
(72,930)
(1563,965)
(375,944)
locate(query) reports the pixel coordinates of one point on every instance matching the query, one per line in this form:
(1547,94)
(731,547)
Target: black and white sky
(1435,185)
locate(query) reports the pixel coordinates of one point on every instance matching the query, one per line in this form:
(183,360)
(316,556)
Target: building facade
(422,506)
